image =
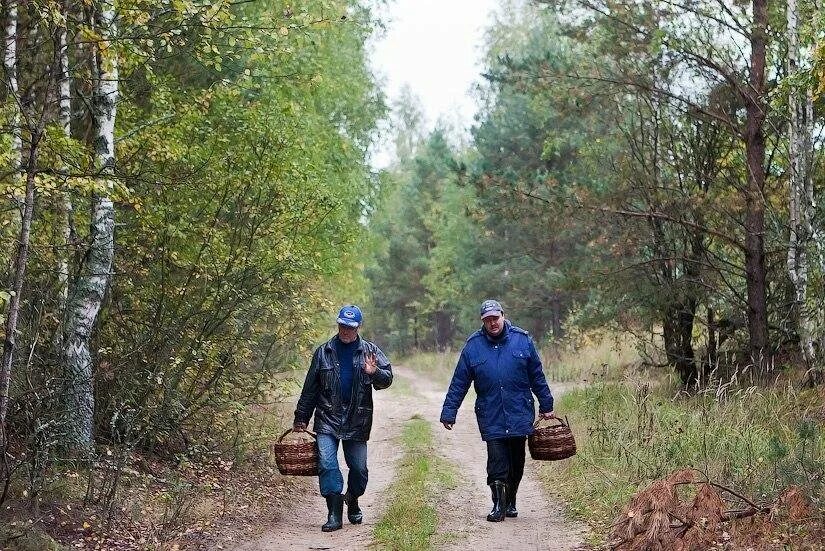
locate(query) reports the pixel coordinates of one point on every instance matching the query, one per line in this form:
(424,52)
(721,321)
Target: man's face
(346,333)
(493,324)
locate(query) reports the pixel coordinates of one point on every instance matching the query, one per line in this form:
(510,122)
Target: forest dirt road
(462,510)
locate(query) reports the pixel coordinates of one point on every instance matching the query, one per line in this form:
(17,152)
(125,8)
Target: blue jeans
(330,479)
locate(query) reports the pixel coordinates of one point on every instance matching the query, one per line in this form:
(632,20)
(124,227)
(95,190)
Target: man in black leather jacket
(338,388)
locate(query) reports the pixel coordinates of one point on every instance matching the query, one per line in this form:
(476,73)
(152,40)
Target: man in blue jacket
(501,361)
(338,389)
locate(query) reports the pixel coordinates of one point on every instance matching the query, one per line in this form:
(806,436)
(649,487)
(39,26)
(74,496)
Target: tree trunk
(17,288)
(64,209)
(756,107)
(678,337)
(89,288)
(16,158)
(18,203)
(800,184)
(713,348)
(555,313)
(10,64)
(443,330)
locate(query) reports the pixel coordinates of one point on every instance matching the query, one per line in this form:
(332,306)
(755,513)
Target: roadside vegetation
(588,357)
(437,366)
(140,364)
(758,439)
(634,425)
(411,520)
(138,500)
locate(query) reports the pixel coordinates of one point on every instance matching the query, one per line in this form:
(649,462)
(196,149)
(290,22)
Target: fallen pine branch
(659,518)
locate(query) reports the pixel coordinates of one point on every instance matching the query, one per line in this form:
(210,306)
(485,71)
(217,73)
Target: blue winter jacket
(504,373)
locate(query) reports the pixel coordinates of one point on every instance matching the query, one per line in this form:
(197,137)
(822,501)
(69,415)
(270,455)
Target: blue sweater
(344,352)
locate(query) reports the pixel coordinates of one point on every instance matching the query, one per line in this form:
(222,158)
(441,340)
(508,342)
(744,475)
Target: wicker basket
(296,457)
(553,442)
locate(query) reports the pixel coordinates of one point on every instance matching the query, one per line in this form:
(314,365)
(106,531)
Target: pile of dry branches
(659,518)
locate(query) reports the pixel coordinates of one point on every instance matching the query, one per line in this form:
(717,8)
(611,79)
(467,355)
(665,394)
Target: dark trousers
(505,460)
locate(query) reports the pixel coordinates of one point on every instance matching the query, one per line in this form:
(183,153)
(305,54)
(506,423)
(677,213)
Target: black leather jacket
(322,392)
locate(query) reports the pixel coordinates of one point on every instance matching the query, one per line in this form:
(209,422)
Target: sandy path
(299,527)
(463,523)
(462,510)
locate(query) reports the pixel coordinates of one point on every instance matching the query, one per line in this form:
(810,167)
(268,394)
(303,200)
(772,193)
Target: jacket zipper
(501,390)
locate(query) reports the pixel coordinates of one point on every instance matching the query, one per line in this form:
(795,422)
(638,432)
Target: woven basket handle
(309,432)
(562,422)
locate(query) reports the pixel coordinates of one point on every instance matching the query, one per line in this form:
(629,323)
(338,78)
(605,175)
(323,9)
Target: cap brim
(491,313)
(348,323)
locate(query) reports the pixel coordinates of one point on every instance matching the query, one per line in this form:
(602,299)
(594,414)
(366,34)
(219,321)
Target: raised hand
(370,365)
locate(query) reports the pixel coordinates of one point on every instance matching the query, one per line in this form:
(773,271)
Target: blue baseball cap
(491,308)
(350,315)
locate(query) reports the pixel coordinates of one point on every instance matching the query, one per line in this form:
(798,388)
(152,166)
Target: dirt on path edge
(462,510)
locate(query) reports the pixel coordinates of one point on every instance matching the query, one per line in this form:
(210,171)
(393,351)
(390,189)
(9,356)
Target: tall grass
(758,440)
(589,357)
(410,521)
(583,358)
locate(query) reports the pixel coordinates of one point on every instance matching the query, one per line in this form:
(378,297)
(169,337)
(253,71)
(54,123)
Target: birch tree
(800,182)
(23,207)
(89,288)
(64,208)
(10,68)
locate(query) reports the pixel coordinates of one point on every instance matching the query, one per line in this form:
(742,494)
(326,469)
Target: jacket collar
(501,336)
(330,344)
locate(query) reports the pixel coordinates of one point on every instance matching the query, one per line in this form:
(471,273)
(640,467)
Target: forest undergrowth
(638,426)
(132,499)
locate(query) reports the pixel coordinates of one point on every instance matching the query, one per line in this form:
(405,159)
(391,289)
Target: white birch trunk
(65,120)
(10,67)
(89,289)
(800,103)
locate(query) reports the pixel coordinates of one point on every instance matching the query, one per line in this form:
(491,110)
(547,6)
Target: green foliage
(246,205)
(241,193)
(413,264)
(605,186)
(494,221)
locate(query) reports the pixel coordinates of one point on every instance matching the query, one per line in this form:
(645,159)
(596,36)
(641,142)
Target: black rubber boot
(510,511)
(335,506)
(354,513)
(499,489)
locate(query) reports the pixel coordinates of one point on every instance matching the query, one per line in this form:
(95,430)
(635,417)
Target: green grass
(756,440)
(401,387)
(410,521)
